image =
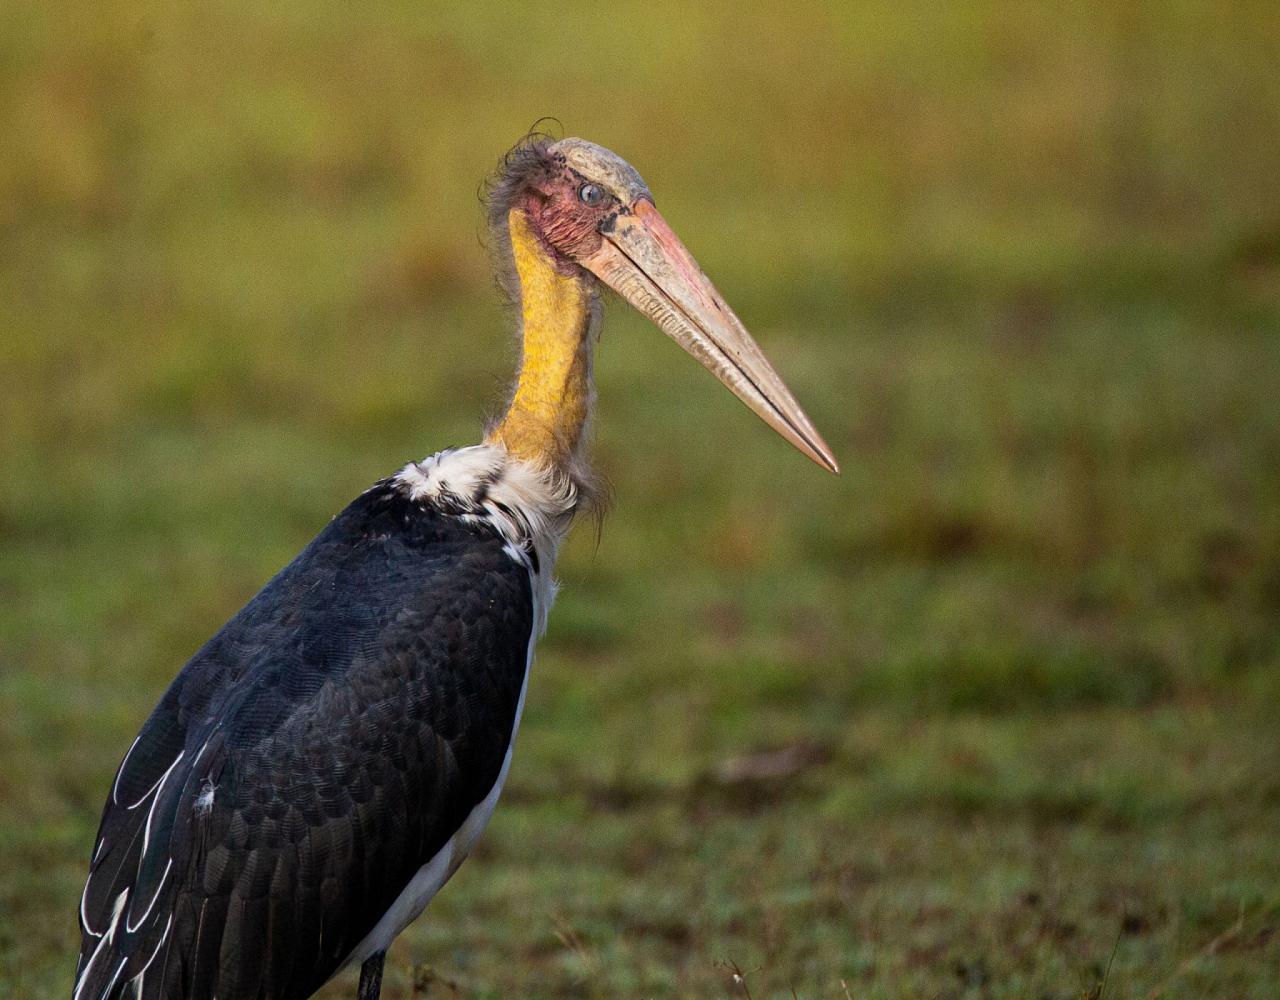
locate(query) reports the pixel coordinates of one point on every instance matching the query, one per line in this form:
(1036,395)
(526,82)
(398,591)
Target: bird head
(593,215)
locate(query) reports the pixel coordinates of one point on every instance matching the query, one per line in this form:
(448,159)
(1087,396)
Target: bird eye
(590,194)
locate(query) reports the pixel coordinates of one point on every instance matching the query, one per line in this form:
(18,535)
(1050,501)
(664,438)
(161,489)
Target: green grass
(1023,268)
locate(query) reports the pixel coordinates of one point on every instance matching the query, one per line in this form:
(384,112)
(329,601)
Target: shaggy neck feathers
(544,423)
(530,508)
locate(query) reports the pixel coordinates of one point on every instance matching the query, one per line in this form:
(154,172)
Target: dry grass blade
(737,978)
(1190,961)
(572,940)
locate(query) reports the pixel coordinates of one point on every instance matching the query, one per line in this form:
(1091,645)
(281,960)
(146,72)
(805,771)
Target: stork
(322,765)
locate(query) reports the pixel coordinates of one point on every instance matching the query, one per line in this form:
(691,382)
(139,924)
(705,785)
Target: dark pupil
(590,194)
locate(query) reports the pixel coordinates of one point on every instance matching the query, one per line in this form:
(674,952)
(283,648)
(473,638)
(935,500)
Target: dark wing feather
(320,749)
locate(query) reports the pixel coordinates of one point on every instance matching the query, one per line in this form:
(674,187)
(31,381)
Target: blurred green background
(989,715)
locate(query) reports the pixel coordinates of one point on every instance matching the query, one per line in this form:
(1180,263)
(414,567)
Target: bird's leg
(371,977)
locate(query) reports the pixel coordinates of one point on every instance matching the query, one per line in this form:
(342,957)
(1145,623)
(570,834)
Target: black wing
(315,753)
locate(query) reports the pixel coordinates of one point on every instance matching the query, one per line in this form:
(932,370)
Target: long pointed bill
(644,261)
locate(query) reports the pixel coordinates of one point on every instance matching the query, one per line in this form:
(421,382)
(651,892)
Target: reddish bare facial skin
(568,227)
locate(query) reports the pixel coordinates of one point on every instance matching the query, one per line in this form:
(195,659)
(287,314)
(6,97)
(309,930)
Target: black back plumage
(309,759)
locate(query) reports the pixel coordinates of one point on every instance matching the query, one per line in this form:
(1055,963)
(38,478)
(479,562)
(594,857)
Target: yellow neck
(553,390)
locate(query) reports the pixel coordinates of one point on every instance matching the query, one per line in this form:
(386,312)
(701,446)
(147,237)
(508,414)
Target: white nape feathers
(529,507)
